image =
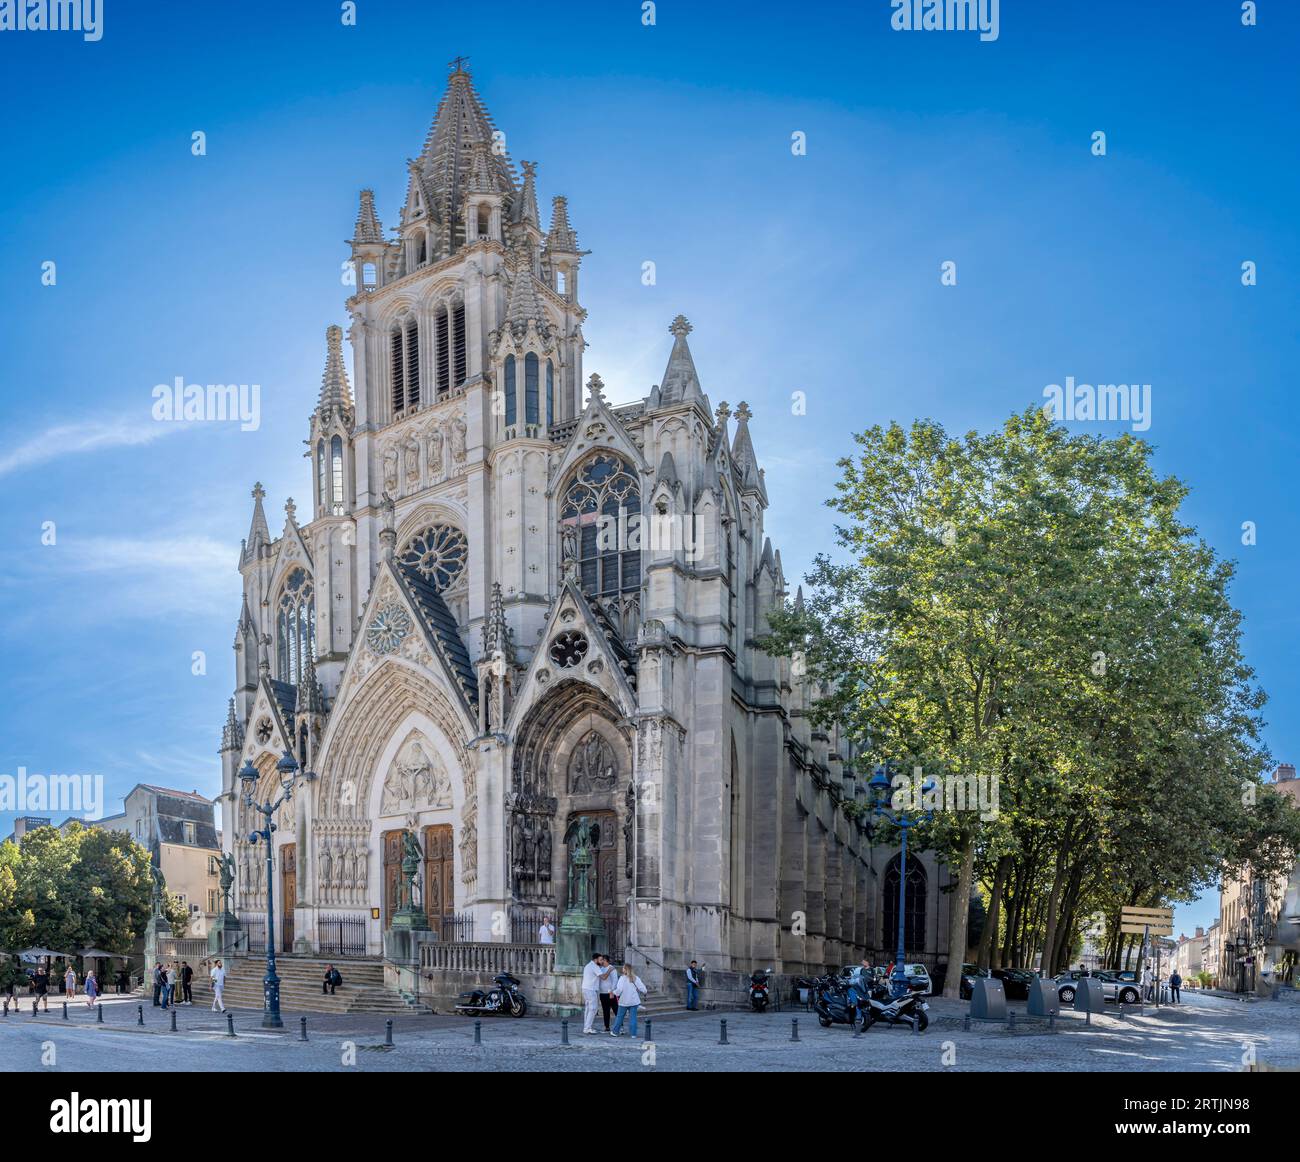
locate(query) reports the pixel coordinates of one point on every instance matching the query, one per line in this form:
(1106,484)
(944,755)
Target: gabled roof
(441,627)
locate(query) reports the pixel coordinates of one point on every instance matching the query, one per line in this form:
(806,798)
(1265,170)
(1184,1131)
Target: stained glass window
(295,627)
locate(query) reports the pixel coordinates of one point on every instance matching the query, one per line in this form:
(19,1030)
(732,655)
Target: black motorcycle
(503,999)
(759,990)
(881,1007)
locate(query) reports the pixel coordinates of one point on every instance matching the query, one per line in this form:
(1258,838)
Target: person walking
(608,1004)
(592,974)
(218,975)
(41,990)
(1176,986)
(187,983)
(92,989)
(70,982)
(692,987)
(629,991)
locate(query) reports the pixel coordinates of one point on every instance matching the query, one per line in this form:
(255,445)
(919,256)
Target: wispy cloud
(87,436)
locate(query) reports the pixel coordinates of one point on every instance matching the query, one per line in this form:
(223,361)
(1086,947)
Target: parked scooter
(503,999)
(759,991)
(882,1007)
(834,1002)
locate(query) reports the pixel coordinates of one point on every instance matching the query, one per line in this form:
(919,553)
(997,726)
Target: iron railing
(454,929)
(341,935)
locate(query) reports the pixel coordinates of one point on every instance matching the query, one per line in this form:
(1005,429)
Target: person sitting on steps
(333,978)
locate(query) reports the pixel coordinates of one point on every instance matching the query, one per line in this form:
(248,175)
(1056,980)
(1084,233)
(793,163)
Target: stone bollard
(564,1031)
(302,1029)
(99,1014)
(723,1039)
(388,1032)
(173,1020)
(478,1032)
(794,1028)
(230,1025)
(139,1014)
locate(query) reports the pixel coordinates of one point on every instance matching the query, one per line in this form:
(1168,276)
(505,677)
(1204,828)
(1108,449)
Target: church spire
(523,301)
(259,533)
(367,228)
(680,382)
(561,238)
(335,392)
(526,203)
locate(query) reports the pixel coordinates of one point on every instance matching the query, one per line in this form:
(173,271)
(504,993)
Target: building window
(510,390)
(530,389)
(458,345)
(412,364)
(214,901)
(404,364)
(484,220)
(599,505)
(560,282)
(914,917)
(295,627)
(336,475)
(550,393)
(322,498)
(190,835)
(438,555)
(395,373)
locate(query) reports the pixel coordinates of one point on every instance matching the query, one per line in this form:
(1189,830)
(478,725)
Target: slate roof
(437,617)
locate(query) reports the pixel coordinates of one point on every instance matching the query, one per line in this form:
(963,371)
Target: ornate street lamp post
(288,769)
(880,787)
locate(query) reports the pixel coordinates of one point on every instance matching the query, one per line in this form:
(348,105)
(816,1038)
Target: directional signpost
(1148,922)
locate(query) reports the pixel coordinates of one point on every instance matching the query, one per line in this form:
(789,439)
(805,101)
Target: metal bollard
(65,1010)
(388,1032)
(230,1025)
(302,1030)
(1051,1020)
(478,1032)
(173,1020)
(1011,1020)
(99,1014)
(965,1024)
(916,1026)
(723,1039)
(1087,1017)
(564,1031)
(794,1028)
(139,1014)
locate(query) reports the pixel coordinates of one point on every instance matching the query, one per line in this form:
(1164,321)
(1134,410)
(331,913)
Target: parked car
(1113,988)
(969,974)
(1015,982)
(918,979)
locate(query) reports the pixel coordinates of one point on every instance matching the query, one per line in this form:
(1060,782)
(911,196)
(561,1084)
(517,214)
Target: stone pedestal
(402,958)
(225,935)
(582,932)
(156,931)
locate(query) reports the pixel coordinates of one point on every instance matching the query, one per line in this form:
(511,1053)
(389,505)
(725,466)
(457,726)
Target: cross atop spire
(458,64)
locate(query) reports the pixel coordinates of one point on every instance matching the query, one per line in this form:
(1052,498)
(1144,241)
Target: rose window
(568,648)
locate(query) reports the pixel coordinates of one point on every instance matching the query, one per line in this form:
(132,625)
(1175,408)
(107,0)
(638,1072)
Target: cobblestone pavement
(1205,1034)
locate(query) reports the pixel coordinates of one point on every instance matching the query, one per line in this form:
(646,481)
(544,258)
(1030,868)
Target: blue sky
(817,273)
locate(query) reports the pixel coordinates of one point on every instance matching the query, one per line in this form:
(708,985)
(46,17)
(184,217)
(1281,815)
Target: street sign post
(1148,922)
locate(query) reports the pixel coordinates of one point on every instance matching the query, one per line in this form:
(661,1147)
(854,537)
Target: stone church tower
(512,603)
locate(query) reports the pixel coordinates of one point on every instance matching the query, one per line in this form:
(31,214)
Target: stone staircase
(362,990)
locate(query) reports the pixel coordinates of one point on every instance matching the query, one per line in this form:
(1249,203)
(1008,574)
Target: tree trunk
(989,938)
(1049,939)
(959,914)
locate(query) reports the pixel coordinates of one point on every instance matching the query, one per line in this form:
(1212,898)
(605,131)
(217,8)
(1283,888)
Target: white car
(918,974)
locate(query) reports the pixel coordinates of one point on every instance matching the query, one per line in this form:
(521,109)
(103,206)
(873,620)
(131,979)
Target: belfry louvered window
(441,350)
(530,389)
(322,497)
(395,369)
(510,389)
(295,627)
(412,364)
(458,344)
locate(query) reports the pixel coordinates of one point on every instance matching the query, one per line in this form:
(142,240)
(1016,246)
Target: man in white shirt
(546,933)
(218,975)
(592,976)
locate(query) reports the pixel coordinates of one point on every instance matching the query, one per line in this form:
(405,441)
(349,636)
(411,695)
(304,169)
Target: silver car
(1113,987)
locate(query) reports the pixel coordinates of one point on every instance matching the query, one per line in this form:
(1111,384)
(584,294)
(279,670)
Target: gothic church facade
(513,603)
